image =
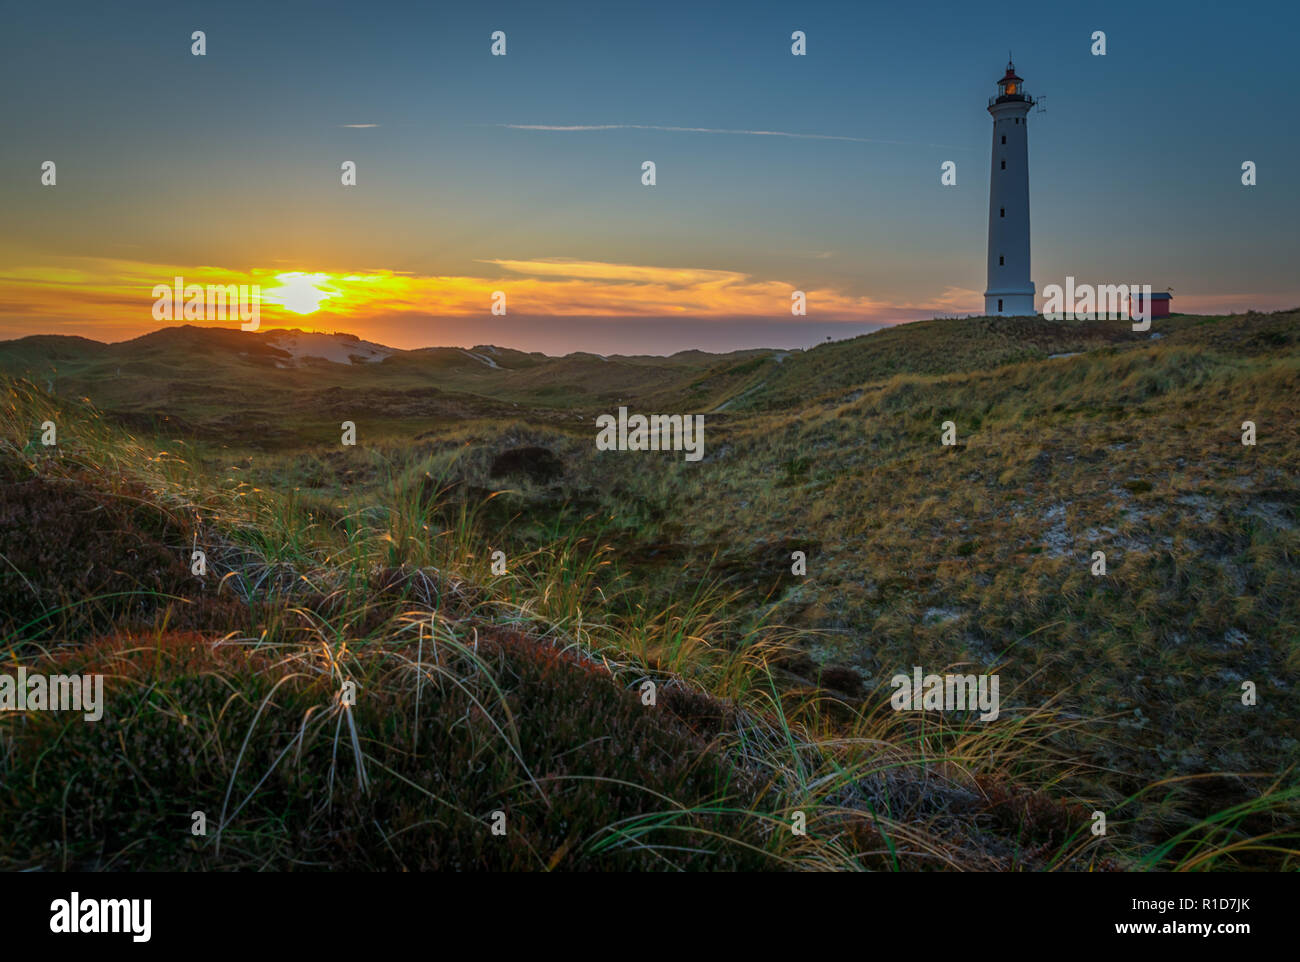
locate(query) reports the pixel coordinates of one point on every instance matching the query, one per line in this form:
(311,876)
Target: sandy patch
(330,347)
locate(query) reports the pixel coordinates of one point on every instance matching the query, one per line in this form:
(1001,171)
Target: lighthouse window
(999,305)
(1011,88)
(1004,165)
(1004,212)
(1004,138)
(1002,261)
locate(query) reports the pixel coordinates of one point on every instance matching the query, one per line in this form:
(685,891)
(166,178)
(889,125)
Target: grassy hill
(1121,692)
(194,377)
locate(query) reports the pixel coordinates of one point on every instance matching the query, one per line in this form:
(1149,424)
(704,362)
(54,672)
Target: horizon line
(877,326)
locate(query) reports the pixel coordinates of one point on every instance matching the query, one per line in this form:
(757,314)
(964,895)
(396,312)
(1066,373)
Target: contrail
(716,130)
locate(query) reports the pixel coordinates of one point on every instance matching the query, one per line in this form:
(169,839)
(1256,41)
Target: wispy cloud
(723,130)
(358,126)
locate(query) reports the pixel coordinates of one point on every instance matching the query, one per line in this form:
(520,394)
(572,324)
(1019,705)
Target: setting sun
(300,293)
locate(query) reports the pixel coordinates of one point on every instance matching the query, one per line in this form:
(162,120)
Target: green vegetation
(522,693)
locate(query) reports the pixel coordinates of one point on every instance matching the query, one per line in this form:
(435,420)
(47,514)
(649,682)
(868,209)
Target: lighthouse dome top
(1010,88)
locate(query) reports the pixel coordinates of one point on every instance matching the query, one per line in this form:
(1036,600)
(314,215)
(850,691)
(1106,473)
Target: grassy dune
(524,693)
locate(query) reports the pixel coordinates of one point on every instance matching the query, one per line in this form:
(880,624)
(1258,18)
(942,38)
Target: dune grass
(525,693)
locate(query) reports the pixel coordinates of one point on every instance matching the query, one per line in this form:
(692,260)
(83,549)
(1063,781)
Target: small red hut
(1159,303)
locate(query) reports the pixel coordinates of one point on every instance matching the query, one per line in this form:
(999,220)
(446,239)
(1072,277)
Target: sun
(301,293)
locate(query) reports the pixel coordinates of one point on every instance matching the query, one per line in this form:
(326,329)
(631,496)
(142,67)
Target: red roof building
(1159,303)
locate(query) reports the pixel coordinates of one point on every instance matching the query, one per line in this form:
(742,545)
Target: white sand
(479,357)
(330,347)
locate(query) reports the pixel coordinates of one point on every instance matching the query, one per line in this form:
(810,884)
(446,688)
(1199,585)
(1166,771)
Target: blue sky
(231,160)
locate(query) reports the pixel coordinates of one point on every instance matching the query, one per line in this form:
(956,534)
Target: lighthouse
(1010,291)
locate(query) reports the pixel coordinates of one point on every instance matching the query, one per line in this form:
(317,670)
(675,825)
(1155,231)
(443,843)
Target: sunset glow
(117,293)
(300,293)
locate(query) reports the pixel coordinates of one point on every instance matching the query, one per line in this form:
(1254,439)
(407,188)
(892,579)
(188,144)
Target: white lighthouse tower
(1009,291)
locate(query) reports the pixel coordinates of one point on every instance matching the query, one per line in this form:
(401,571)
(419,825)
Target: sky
(522,173)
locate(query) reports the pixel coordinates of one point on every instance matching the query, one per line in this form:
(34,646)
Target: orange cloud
(114,297)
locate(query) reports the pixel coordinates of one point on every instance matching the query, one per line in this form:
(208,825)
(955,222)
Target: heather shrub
(586,775)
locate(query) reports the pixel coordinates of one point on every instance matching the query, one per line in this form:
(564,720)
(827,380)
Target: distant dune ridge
(136,375)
